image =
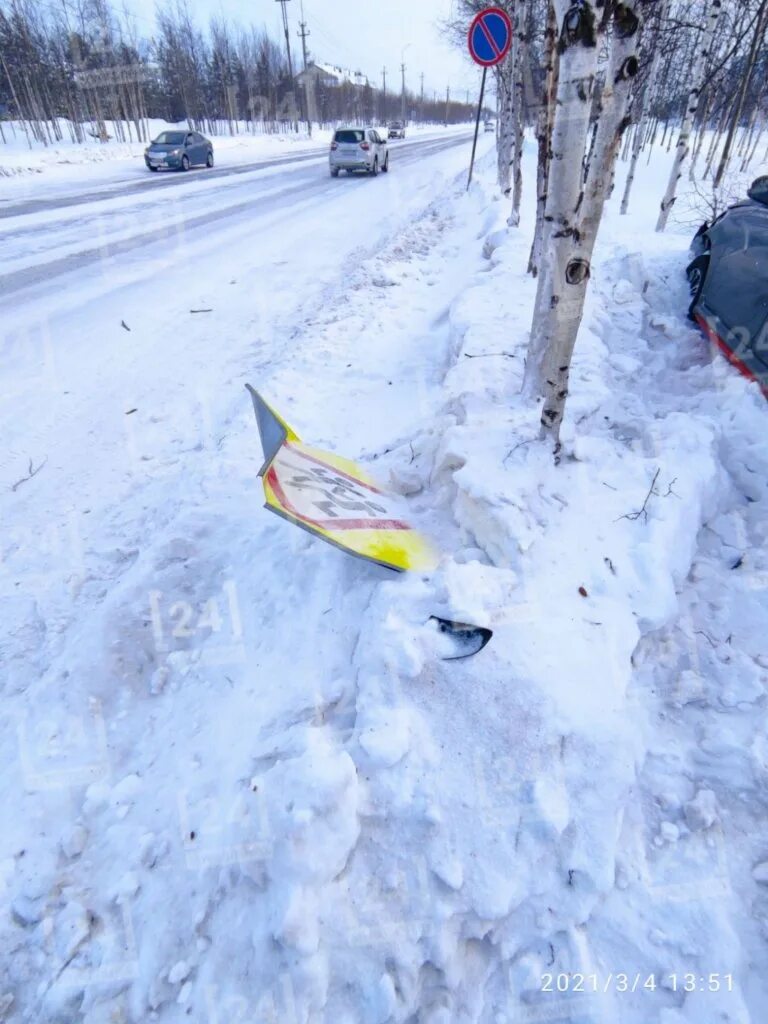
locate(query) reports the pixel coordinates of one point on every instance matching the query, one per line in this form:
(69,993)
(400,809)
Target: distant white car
(358,149)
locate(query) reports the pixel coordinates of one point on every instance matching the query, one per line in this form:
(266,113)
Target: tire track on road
(131,188)
(39,273)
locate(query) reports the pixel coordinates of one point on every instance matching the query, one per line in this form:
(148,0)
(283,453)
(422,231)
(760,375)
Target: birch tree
(698,75)
(757,41)
(646,100)
(576,194)
(505,129)
(546,113)
(519,59)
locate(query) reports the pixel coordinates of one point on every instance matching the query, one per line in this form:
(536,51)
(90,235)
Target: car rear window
(348,135)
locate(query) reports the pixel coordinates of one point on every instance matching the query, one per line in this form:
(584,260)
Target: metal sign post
(477,127)
(489,39)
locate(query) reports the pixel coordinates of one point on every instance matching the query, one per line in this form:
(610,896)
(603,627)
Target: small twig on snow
(670,491)
(487,355)
(634,516)
(124,325)
(518,445)
(700,632)
(201,311)
(31,472)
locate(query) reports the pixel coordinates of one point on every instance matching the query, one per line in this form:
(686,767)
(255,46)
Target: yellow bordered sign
(334,498)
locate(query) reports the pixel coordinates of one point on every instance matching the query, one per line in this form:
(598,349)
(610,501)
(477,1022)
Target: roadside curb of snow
(572,568)
(590,568)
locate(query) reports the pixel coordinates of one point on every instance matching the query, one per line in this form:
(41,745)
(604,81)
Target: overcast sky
(358,34)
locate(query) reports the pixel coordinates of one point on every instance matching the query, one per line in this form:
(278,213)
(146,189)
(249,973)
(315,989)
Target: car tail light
(334,145)
(364,145)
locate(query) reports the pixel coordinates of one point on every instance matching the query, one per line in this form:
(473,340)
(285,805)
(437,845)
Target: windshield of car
(170,138)
(348,135)
(395,124)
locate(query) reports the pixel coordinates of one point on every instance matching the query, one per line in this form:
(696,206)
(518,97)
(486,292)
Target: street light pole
(402,87)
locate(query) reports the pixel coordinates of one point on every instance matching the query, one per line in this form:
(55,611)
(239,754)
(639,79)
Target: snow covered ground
(237,787)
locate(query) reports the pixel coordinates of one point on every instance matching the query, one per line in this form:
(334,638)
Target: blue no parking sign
(489,39)
(490,36)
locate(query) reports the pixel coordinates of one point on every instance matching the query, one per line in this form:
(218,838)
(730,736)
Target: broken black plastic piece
(468,640)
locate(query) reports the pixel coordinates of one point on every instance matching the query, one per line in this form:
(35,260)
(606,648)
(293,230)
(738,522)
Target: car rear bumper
(349,165)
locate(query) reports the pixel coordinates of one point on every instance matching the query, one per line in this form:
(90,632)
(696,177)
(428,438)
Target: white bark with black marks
(646,103)
(698,74)
(575,207)
(757,42)
(506,130)
(519,57)
(544,135)
(578,52)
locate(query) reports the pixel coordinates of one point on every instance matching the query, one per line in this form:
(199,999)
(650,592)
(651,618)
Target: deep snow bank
(245,790)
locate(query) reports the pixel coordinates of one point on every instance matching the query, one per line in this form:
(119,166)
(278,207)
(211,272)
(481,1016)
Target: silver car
(358,149)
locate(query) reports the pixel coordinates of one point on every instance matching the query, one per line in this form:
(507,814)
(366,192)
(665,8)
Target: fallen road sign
(334,498)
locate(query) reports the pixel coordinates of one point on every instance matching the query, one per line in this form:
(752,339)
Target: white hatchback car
(358,149)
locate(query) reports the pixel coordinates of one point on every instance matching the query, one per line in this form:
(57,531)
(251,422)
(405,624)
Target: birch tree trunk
(757,40)
(698,74)
(506,128)
(717,136)
(648,97)
(544,136)
(574,207)
(703,121)
(577,47)
(750,154)
(519,56)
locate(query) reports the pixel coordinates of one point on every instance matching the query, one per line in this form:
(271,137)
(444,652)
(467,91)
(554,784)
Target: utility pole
(447,101)
(287,37)
(402,94)
(302,34)
(383,94)
(287,46)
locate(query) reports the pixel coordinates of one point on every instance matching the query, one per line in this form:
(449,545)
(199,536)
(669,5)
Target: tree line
(603,80)
(83,67)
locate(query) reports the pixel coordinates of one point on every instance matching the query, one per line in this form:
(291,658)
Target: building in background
(334,93)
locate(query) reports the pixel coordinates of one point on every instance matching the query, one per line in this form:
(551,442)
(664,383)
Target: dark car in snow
(728,278)
(179,150)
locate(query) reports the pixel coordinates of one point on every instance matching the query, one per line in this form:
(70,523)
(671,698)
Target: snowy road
(101,306)
(46,237)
